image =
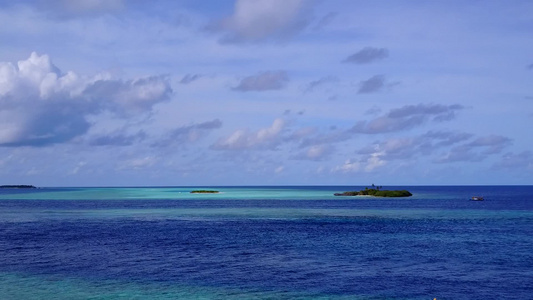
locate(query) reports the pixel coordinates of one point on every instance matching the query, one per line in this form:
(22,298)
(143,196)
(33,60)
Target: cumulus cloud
(264,81)
(367,55)
(445,138)
(349,166)
(398,148)
(315,152)
(366,164)
(492,143)
(439,112)
(263,20)
(118,138)
(137,163)
(279,169)
(91,5)
(518,161)
(40,105)
(372,85)
(130,96)
(457,146)
(407,117)
(461,153)
(373,162)
(394,148)
(476,150)
(330,137)
(390,149)
(266,138)
(373,111)
(67,9)
(189,78)
(190,133)
(320,82)
(325,20)
(78,167)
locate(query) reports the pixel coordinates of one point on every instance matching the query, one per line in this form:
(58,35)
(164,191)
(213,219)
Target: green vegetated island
(204,192)
(17,186)
(376,192)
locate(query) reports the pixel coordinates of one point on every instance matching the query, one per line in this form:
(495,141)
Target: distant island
(204,192)
(17,186)
(376,191)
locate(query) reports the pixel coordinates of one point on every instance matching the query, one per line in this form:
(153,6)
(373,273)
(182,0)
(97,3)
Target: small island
(17,186)
(204,192)
(376,191)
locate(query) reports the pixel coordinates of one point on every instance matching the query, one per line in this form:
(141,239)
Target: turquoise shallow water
(265,243)
(175,193)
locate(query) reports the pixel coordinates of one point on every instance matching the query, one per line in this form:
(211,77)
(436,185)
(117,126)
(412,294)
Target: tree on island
(17,186)
(376,191)
(204,192)
(375,187)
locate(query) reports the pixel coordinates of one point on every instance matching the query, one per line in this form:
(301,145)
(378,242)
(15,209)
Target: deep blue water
(266,243)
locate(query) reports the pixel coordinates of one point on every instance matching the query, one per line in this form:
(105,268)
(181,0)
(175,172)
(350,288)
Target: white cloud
(477,150)
(518,161)
(77,8)
(40,105)
(117,138)
(367,55)
(372,85)
(366,164)
(128,97)
(313,85)
(402,148)
(315,152)
(259,20)
(78,167)
(493,143)
(264,81)
(190,133)
(407,117)
(375,84)
(374,162)
(108,117)
(188,78)
(138,163)
(349,166)
(266,138)
(325,20)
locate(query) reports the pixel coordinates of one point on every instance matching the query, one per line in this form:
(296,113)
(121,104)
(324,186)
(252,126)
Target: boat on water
(477,198)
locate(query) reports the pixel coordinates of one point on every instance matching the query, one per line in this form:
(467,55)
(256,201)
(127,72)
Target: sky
(266,92)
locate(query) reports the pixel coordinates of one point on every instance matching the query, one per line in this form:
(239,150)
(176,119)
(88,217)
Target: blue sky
(265,92)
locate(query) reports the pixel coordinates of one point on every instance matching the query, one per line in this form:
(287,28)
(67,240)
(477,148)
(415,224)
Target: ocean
(285,242)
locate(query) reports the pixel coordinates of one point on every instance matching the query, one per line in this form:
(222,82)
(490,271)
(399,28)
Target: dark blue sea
(266,243)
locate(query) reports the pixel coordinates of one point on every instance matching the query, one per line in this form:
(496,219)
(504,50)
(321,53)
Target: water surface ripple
(295,243)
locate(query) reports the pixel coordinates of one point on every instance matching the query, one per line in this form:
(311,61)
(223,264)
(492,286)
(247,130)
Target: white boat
(477,198)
